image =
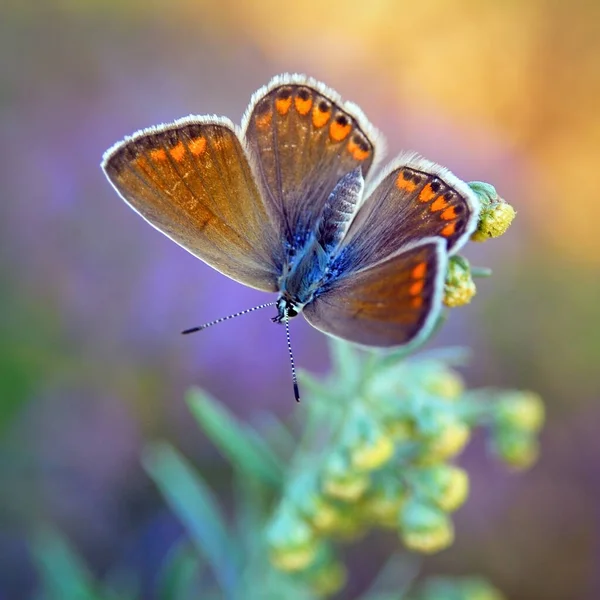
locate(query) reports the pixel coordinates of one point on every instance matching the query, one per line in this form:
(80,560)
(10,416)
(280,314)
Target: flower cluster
(495,218)
(384,458)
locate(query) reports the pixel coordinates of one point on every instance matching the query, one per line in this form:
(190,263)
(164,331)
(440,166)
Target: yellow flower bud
(373,453)
(348,526)
(518,449)
(447,444)
(328,579)
(521,410)
(459,288)
(291,560)
(324,516)
(496,214)
(425,528)
(445,383)
(465,588)
(446,486)
(339,481)
(348,488)
(456,490)
(382,505)
(494,221)
(481,590)
(400,430)
(292,544)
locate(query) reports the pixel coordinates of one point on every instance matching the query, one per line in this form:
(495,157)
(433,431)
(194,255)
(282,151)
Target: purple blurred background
(92,366)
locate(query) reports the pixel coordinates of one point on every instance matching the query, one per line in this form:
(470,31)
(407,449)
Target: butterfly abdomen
(339,210)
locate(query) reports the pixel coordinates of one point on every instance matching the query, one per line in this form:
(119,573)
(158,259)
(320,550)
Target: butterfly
(289,204)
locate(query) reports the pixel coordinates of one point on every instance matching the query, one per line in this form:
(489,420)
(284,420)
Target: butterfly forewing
(389,304)
(414,199)
(192,181)
(304,140)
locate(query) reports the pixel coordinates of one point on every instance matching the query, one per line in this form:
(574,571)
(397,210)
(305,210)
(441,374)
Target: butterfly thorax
(307,270)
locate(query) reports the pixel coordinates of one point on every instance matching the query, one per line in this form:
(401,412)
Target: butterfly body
(288,204)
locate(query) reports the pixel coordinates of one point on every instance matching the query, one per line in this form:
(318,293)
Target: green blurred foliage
(377,444)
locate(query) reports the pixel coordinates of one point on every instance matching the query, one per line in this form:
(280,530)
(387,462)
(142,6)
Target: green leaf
(240,444)
(63,574)
(480,272)
(320,391)
(179,572)
(192,501)
(347,365)
(395,578)
(276,434)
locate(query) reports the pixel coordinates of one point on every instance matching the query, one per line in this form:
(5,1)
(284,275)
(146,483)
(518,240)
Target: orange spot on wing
(158,154)
(197,146)
(319,118)
(357,152)
(264,120)
(449,214)
(416,288)
(339,132)
(303,106)
(426,194)
(283,105)
(405,184)
(449,229)
(419,271)
(416,302)
(178,152)
(439,204)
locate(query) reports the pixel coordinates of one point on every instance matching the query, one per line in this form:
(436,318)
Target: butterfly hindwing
(392,303)
(304,139)
(192,181)
(413,199)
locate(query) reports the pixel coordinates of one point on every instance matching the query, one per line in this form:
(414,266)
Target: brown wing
(304,139)
(192,181)
(413,199)
(393,303)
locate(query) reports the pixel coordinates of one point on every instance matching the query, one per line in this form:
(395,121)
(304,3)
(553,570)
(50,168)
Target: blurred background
(92,366)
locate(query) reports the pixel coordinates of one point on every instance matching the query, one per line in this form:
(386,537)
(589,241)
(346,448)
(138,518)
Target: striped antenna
(217,321)
(286,320)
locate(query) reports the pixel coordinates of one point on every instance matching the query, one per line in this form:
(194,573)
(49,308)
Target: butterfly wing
(413,199)
(192,181)
(392,303)
(304,139)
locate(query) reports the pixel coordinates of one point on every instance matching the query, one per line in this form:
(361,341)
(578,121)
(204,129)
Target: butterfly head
(286,307)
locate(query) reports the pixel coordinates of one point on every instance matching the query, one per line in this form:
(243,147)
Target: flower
(518,449)
(425,528)
(382,504)
(292,543)
(520,410)
(459,288)
(340,481)
(448,441)
(327,579)
(446,486)
(445,383)
(496,214)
